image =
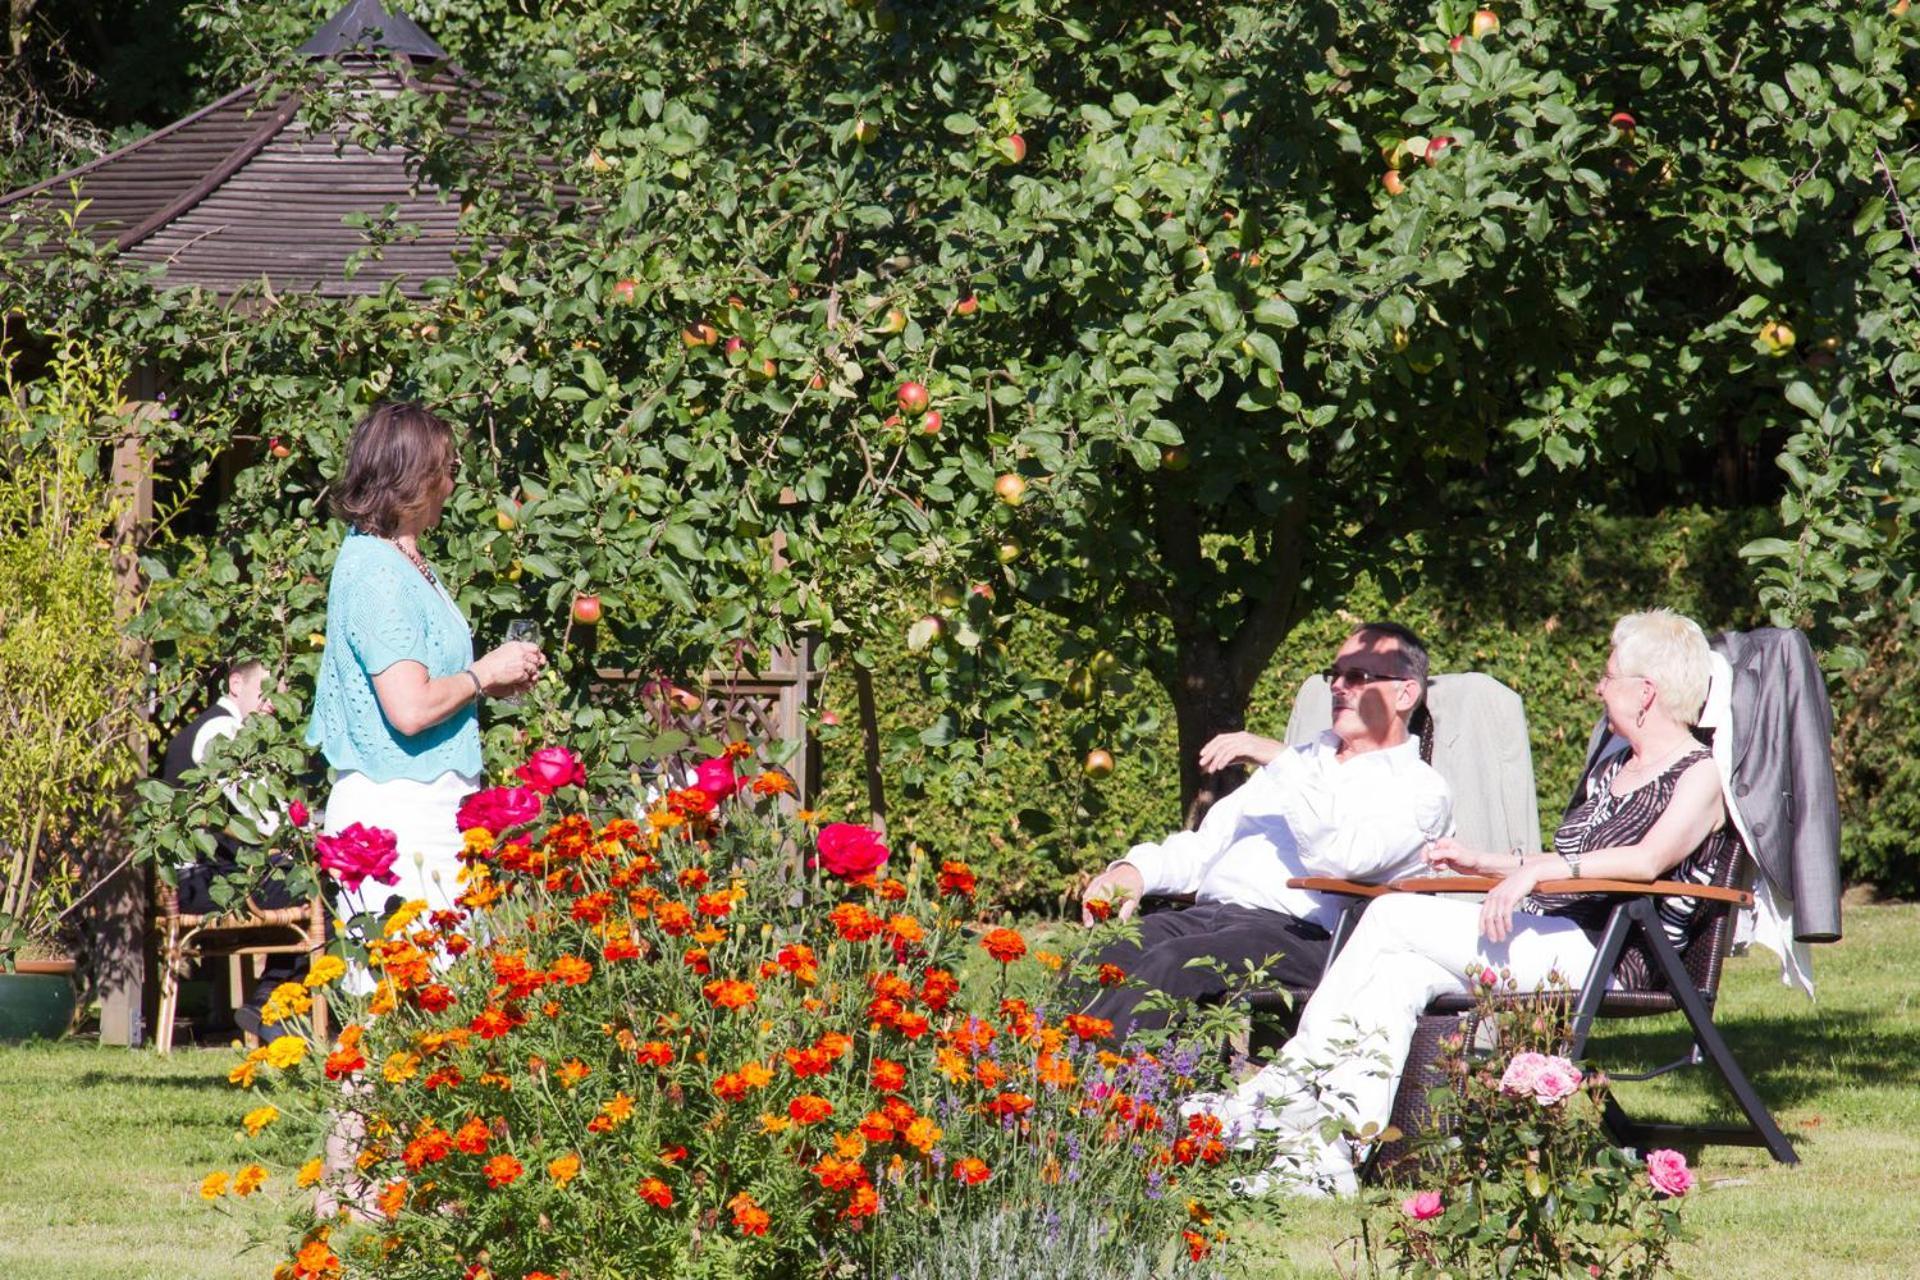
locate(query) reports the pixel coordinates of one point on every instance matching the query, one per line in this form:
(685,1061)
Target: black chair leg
(1707,1036)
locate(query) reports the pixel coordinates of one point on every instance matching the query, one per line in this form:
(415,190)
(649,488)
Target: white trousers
(1346,1059)
(426,837)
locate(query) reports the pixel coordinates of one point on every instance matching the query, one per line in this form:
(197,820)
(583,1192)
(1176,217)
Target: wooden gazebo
(253,197)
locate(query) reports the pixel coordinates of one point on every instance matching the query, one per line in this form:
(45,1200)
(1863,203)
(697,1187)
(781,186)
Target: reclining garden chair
(1690,983)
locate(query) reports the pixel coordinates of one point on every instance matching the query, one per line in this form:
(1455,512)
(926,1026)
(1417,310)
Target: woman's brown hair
(395,460)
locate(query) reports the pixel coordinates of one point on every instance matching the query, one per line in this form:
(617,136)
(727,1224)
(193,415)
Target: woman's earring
(1641,719)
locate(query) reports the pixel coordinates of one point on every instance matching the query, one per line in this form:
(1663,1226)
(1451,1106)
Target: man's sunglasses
(1353,676)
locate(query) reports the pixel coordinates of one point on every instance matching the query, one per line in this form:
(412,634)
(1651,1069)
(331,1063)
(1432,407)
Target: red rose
(297,814)
(716,777)
(848,850)
(550,768)
(498,808)
(358,853)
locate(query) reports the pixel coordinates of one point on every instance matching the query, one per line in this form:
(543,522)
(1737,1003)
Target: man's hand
(1227,749)
(1120,885)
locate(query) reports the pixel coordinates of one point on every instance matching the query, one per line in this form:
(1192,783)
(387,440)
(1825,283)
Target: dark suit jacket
(1783,781)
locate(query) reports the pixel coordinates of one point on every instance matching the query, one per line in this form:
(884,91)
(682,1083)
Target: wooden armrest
(1332,884)
(1484,884)
(1657,888)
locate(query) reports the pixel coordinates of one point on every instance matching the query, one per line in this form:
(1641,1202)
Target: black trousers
(1292,951)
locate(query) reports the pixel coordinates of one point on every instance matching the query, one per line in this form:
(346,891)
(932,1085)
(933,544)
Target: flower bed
(664,1046)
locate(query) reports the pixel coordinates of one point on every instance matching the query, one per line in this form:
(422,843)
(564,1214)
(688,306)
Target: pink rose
(716,778)
(1488,978)
(498,808)
(358,853)
(550,768)
(848,850)
(1668,1172)
(297,814)
(1558,1079)
(1423,1206)
(1521,1073)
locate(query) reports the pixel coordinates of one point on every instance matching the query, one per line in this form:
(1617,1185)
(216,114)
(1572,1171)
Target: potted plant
(70,682)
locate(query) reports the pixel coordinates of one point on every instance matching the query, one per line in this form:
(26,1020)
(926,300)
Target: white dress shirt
(228,726)
(1306,814)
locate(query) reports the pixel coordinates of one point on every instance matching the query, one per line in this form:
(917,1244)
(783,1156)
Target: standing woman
(395,708)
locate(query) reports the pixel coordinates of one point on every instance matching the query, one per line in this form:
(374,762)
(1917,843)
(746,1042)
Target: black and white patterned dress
(1603,821)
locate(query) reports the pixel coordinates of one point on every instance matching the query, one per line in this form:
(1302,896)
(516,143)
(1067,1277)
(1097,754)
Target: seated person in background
(1655,812)
(1357,802)
(246,695)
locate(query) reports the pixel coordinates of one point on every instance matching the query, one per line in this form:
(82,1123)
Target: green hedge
(1541,626)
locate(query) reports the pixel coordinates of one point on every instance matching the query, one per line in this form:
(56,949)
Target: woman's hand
(1448,854)
(510,669)
(1227,749)
(1496,912)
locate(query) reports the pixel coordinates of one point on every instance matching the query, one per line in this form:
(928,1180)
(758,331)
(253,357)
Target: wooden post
(121,954)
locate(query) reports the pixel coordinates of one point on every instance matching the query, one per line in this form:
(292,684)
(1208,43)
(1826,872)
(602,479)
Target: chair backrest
(1480,746)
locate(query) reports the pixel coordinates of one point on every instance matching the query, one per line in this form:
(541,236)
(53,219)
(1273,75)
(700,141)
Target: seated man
(1358,802)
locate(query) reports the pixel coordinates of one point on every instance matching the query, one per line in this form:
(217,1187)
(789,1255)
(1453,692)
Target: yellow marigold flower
(770,1123)
(849,1145)
(213,1186)
(310,1173)
(243,1074)
(1049,959)
(325,969)
(498,1081)
(392,1199)
(259,1118)
(478,840)
(288,1000)
(564,1170)
(710,935)
(808,816)
(386,998)
(286,1052)
(405,915)
(401,1066)
(249,1180)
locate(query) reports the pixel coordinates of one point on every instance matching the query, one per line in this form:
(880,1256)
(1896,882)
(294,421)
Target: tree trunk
(870,748)
(1206,702)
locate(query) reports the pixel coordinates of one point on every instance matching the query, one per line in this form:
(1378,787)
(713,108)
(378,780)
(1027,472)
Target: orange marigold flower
(696,960)
(716,904)
(434,997)
(772,784)
(310,1173)
(1111,975)
(214,1185)
(618,1109)
(957,879)
(876,1128)
(316,1259)
(654,1053)
(673,1155)
(491,1023)
(656,1193)
(1049,960)
(888,1076)
(564,1169)
(922,1133)
(473,1137)
(1101,909)
(863,1203)
(971,1171)
(798,959)
(839,1174)
(854,922)
(1004,945)
(501,1170)
(952,1064)
(989,1073)
(771,1123)
(757,1074)
(345,1061)
(400,1067)
(809,1062)
(938,988)
(592,908)
(1084,1027)
(572,1072)
(891,890)
(1055,1070)
(849,1145)
(692,878)
(443,1078)
(907,929)
(1197,1245)
(809,1108)
(392,1199)
(673,917)
(749,1219)
(572,970)
(431,1143)
(729,993)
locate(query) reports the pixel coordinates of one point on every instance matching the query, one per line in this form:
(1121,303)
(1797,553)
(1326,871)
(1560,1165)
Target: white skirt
(426,836)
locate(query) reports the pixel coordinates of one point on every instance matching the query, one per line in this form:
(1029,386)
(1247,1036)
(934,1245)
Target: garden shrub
(1517,1176)
(664,1047)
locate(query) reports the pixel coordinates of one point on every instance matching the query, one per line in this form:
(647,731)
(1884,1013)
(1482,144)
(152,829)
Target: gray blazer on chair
(1480,747)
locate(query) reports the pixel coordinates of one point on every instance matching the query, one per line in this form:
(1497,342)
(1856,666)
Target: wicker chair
(237,935)
(1689,985)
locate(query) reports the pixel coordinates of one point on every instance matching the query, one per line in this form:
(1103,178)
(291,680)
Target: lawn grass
(102,1150)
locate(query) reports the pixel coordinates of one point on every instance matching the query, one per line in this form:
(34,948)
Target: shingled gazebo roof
(246,189)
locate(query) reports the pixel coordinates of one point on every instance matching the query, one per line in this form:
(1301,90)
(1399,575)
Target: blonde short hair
(1670,650)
